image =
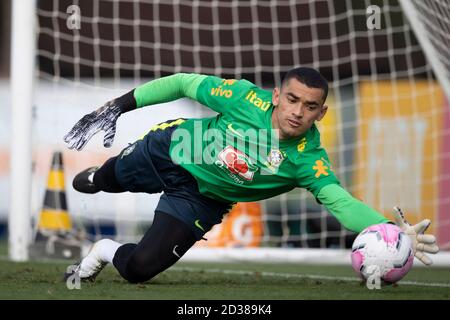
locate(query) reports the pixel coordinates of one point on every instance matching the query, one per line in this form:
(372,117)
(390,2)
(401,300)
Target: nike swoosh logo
(174,252)
(230,127)
(197,224)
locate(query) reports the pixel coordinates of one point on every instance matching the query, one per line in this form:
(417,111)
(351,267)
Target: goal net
(386,131)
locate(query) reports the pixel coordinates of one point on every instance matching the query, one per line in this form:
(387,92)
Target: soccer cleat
(89,267)
(84,181)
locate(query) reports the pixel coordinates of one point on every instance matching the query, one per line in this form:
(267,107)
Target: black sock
(105,177)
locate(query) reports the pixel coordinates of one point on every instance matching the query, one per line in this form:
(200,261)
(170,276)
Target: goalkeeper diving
(260,144)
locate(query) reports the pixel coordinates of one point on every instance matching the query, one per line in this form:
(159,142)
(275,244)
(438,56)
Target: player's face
(297,107)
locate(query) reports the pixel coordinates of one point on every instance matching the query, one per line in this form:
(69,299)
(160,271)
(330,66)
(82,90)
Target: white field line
(304,276)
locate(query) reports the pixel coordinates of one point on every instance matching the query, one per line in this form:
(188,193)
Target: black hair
(309,77)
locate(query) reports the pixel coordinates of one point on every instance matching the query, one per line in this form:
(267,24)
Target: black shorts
(146,166)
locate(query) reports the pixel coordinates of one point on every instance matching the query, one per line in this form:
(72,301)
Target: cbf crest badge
(275,158)
(128,150)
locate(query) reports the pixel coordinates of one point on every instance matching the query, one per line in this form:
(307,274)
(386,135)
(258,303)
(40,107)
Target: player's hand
(104,118)
(422,243)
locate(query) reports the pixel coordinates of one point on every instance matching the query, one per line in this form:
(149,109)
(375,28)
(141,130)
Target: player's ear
(323,111)
(275,96)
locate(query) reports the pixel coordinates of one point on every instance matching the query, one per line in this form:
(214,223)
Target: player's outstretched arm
(356,216)
(104,118)
(180,85)
(422,243)
(352,213)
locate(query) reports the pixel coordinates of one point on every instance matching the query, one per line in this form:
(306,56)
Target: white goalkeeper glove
(422,243)
(104,118)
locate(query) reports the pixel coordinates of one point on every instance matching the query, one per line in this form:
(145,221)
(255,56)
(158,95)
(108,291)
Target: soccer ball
(383,249)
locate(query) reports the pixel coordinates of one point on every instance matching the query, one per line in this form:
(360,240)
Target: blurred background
(386,131)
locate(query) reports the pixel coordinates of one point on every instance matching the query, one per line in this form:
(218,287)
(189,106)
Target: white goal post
(432,34)
(23,55)
(385,129)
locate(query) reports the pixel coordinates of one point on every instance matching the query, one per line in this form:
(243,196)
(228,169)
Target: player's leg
(164,243)
(95,179)
(182,217)
(146,166)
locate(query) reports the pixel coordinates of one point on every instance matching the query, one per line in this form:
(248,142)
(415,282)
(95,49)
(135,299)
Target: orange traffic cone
(54,216)
(241,227)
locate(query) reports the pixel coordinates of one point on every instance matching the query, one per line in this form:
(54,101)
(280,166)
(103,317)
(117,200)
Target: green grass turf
(43,280)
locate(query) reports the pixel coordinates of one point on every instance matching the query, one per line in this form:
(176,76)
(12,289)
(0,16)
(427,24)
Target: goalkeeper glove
(422,243)
(104,118)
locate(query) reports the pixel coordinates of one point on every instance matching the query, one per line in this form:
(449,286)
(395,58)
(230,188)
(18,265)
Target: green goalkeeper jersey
(236,156)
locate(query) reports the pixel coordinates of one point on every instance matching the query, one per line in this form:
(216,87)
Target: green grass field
(43,280)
